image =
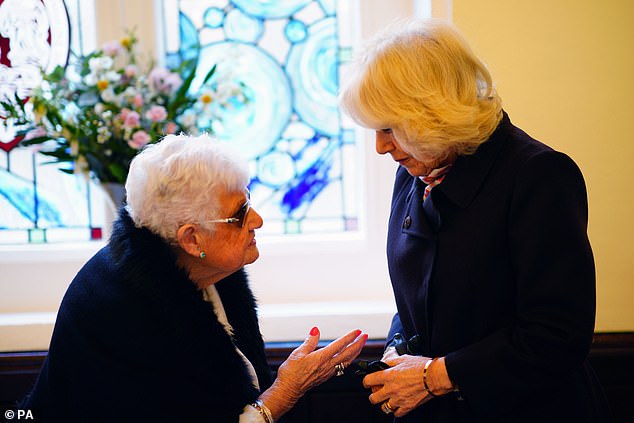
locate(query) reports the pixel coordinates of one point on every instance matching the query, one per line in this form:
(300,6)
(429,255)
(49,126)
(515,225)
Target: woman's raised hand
(306,368)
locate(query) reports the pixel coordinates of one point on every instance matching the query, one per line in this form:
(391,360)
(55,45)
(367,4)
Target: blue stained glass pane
(189,38)
(285,57)
(38,203)
(254,128)
(239,26)
(329,6)
(270,9)
(312,67)
(276,169)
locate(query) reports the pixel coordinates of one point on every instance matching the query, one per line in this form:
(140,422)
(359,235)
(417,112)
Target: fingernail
(314,331)
(365,337)
(357,333)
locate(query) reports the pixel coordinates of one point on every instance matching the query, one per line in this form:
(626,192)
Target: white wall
(337,282)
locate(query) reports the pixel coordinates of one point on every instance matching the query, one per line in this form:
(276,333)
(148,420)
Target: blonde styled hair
(179,180)
(421,79)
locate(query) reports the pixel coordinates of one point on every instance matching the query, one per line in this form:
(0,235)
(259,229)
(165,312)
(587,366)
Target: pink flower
(139,139)
(156,113)
(124,113)
(131,120)
(171,128)
(111,48)
(131,70)
(137,100)
(173,82)
(157,77)
(164,81)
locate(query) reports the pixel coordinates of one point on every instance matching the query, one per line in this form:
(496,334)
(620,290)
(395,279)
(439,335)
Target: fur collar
(147,265)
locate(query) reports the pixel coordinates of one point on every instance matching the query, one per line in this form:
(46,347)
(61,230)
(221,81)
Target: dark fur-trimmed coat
(135,341)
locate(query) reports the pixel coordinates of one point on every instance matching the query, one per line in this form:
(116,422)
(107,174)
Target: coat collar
(146,261)
(469,172)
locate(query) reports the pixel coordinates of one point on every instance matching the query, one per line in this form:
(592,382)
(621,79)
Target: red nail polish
(357,333)
(365,337)
(314,331)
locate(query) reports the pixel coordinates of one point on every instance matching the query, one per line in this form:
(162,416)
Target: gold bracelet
(263,410)
(427,365)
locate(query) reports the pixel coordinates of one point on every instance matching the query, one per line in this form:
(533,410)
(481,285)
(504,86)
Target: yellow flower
(206,98)
(126,42)
(102,84)
(39,111)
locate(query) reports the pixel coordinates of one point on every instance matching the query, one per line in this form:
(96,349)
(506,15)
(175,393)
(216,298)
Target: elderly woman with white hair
(488,254)
(160,325)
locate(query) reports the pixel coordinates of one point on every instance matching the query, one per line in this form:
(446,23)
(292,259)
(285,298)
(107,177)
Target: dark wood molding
(611,355)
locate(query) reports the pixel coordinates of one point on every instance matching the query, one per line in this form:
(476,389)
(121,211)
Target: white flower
(100,64)
(108,95)
(188,120)
(112,76)
(103,134)
(91,79)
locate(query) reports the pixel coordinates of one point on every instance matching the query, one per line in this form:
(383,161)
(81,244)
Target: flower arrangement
(94,115)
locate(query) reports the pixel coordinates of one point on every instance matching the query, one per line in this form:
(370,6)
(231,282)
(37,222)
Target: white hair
(179,179)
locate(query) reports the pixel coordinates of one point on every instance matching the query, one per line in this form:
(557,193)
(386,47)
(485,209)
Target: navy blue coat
(135,341)
(495,272)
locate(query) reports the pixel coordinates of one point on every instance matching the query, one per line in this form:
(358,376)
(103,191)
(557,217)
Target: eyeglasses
(240,217)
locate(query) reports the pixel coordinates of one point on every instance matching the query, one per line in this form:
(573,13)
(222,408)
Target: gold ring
(339,368)
(387,408)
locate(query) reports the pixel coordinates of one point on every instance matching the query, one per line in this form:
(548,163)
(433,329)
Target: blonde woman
(488,254)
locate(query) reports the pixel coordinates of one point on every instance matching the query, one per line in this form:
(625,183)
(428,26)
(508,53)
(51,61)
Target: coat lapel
(468,173)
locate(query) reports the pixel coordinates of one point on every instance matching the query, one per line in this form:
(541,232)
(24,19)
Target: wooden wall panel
(343,399)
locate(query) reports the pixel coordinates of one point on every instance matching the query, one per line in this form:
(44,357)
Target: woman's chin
(253,255)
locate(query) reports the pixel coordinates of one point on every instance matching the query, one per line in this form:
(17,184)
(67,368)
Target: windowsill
(31,331)
(53,252)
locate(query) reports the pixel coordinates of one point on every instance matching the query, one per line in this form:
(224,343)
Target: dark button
(407,223)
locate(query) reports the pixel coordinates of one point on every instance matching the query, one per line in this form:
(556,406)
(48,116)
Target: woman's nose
(254,221)
(383,142)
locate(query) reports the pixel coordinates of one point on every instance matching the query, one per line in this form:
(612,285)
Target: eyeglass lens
(241,215)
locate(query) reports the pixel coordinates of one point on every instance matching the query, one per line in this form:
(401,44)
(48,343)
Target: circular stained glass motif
(254,127)
(241,27)
(214,17)
(271,9)
(312,66)
(295,31)
(276,169)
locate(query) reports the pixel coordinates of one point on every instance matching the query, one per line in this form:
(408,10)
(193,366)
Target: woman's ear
(188,240)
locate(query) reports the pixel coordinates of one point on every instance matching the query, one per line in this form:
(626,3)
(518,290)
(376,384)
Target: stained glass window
(38,203)
(287,55)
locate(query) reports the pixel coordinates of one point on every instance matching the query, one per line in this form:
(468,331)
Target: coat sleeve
(395,328)
(554,301)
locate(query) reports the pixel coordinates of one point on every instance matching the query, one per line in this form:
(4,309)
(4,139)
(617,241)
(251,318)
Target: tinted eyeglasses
(240,217)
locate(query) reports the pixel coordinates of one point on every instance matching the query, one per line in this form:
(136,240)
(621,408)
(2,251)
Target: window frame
(337,282)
